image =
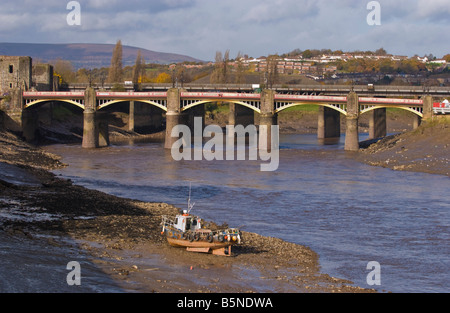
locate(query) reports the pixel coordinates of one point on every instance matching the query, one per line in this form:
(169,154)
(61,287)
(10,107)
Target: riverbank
(425,149)
(121,239)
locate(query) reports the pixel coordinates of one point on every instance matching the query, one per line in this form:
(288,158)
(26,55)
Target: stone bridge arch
(33,102)
(187,104)
(161,104)
(415,110)
(281,106)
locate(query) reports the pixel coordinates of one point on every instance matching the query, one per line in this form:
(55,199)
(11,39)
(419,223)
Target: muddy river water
(349,213)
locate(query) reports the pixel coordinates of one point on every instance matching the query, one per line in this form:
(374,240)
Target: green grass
(61,113)
(302,108)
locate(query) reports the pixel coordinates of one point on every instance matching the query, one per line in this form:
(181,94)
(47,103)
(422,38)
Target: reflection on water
(348,212)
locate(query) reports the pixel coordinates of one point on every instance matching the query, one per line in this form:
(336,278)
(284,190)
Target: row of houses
(319,65)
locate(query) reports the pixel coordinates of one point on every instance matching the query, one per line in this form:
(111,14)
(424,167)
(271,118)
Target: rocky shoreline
(121,237)
(425,149)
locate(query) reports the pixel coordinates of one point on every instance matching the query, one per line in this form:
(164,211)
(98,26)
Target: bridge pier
(352,131)
(267,119)
(12,119)
(18,119)
(427,107)
(377,123)
(174,116)
(95,124)
(329,123)
(131,116)
(90,130)
(102,121)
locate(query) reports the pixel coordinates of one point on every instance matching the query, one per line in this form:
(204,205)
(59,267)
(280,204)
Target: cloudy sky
(199,28)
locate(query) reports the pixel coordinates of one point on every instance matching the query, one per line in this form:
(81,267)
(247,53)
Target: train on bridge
(441,107)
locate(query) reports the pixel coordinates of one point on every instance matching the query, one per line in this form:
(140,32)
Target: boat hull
(200,239)
(217,248)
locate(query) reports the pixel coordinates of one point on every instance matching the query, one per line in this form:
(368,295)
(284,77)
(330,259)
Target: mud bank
(426,149)
(119,240)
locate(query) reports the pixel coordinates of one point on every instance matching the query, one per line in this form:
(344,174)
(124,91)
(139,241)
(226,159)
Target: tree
(380,51)
(271,73)
(163,78)
(240,79)
(220,73)
(65,69)
(138,70)
(387,66)
(115,71)
(447,58)
(307,54)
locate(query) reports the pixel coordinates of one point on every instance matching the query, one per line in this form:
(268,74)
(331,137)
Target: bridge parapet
(317,89)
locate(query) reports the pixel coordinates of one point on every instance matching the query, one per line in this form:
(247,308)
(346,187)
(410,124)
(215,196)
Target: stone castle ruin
(19,72)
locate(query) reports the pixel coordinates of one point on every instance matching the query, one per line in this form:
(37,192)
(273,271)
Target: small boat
(187,231)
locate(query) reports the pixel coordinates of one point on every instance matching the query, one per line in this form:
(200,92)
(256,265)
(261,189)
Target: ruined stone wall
(42,77)
(15,72)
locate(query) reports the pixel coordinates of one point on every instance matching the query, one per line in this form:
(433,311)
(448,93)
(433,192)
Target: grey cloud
(255,27)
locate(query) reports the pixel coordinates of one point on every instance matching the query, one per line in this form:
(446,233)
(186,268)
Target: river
(348,212)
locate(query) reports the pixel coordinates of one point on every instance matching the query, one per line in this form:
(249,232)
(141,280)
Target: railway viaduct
(180,105)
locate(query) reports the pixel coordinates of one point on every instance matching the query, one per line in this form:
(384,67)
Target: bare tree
(240,79)
(220,73)
(271,73)
(216,74)
(226,60)
(115,71)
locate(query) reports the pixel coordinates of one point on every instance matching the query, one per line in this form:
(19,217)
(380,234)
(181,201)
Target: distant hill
(88,55)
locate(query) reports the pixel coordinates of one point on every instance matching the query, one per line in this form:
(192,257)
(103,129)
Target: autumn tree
(65,69)
(115,71)
(163,78)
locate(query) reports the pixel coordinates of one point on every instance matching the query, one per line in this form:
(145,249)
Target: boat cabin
(187,222)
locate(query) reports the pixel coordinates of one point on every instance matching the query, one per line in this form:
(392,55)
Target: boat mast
(190,206)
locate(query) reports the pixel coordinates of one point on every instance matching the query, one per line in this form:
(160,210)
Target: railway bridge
(180,106)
